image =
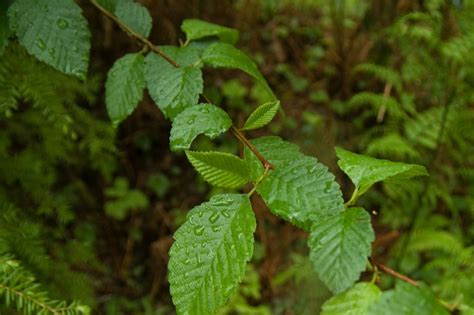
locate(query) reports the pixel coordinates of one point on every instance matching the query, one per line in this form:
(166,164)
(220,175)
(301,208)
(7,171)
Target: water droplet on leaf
(199,230)
(62,23)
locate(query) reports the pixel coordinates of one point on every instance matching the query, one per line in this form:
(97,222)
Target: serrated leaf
(135,16)
(227,56)
(339,246)
(124,86)
(174,89)
(220,169)
(406,299)
(208,258)
(262,115)
(364,171)
(53,31)
(300,188)
(197,29)
(355,301)
(198,119)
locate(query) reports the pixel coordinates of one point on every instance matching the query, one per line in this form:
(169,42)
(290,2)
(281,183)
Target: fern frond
(19,289)
(382,73)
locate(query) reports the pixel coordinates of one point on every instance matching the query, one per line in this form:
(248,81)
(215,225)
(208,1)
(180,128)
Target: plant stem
(392,272)
(265,173)
(158,51)
(134,34)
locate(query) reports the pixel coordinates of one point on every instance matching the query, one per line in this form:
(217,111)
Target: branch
(148,44)
(393,273)
(134,34)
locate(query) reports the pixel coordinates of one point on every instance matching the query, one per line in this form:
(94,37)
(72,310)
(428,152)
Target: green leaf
(135,16)
(300,188)
(53,31)
(174,89)
(227,56)
(262,115)
(364,171)
(355,301)
(208,258)
(4,28)
(406,299)
(197,29)
(220,169)
(124,86)
(109,5)
(124,200)
(339,246)
(199,119)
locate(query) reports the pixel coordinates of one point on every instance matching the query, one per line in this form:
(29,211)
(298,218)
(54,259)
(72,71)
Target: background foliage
(88,210)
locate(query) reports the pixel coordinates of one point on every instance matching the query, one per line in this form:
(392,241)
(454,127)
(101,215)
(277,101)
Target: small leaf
(339,246)
(53,31)
(174,89)
(355,301)
(135,16)
(406,299)
(227,56)
(124,86)
(262,115)
(220,169)
(364,171)
(199,119)
(300,188)
(197,29)
(208,258)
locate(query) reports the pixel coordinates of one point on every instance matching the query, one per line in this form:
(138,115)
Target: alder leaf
(227,56)
(199,119)
(262,115)
(407,299)
(355,301)
(174,89)
(208,258)
(300,188)
(364,171)
(220,169)
(197,29)
(339,246)
(53,31)
(135,16)
(124,86)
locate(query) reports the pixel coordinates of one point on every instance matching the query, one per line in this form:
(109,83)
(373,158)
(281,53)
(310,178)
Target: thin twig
(244,140)
(392,272)
(134,34)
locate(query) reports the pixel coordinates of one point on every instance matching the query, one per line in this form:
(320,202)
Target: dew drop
(228,290)
(51,51)
(214,217)
(187,261)
(223,202)
(226,214)
(199,230)
(191,120)
(216,228)
(62,23)
(204,109)
(41,45)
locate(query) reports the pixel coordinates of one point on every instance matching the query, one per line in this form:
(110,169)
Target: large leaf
(135,16)
(339,246)
(174,89)
(262,115)
(407,299)
(364,171)
(300,188)
(197,29)
(124,86)
(207,260)
(53,31)
(199,119)
(220,169)
(227,56)
(355,301)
